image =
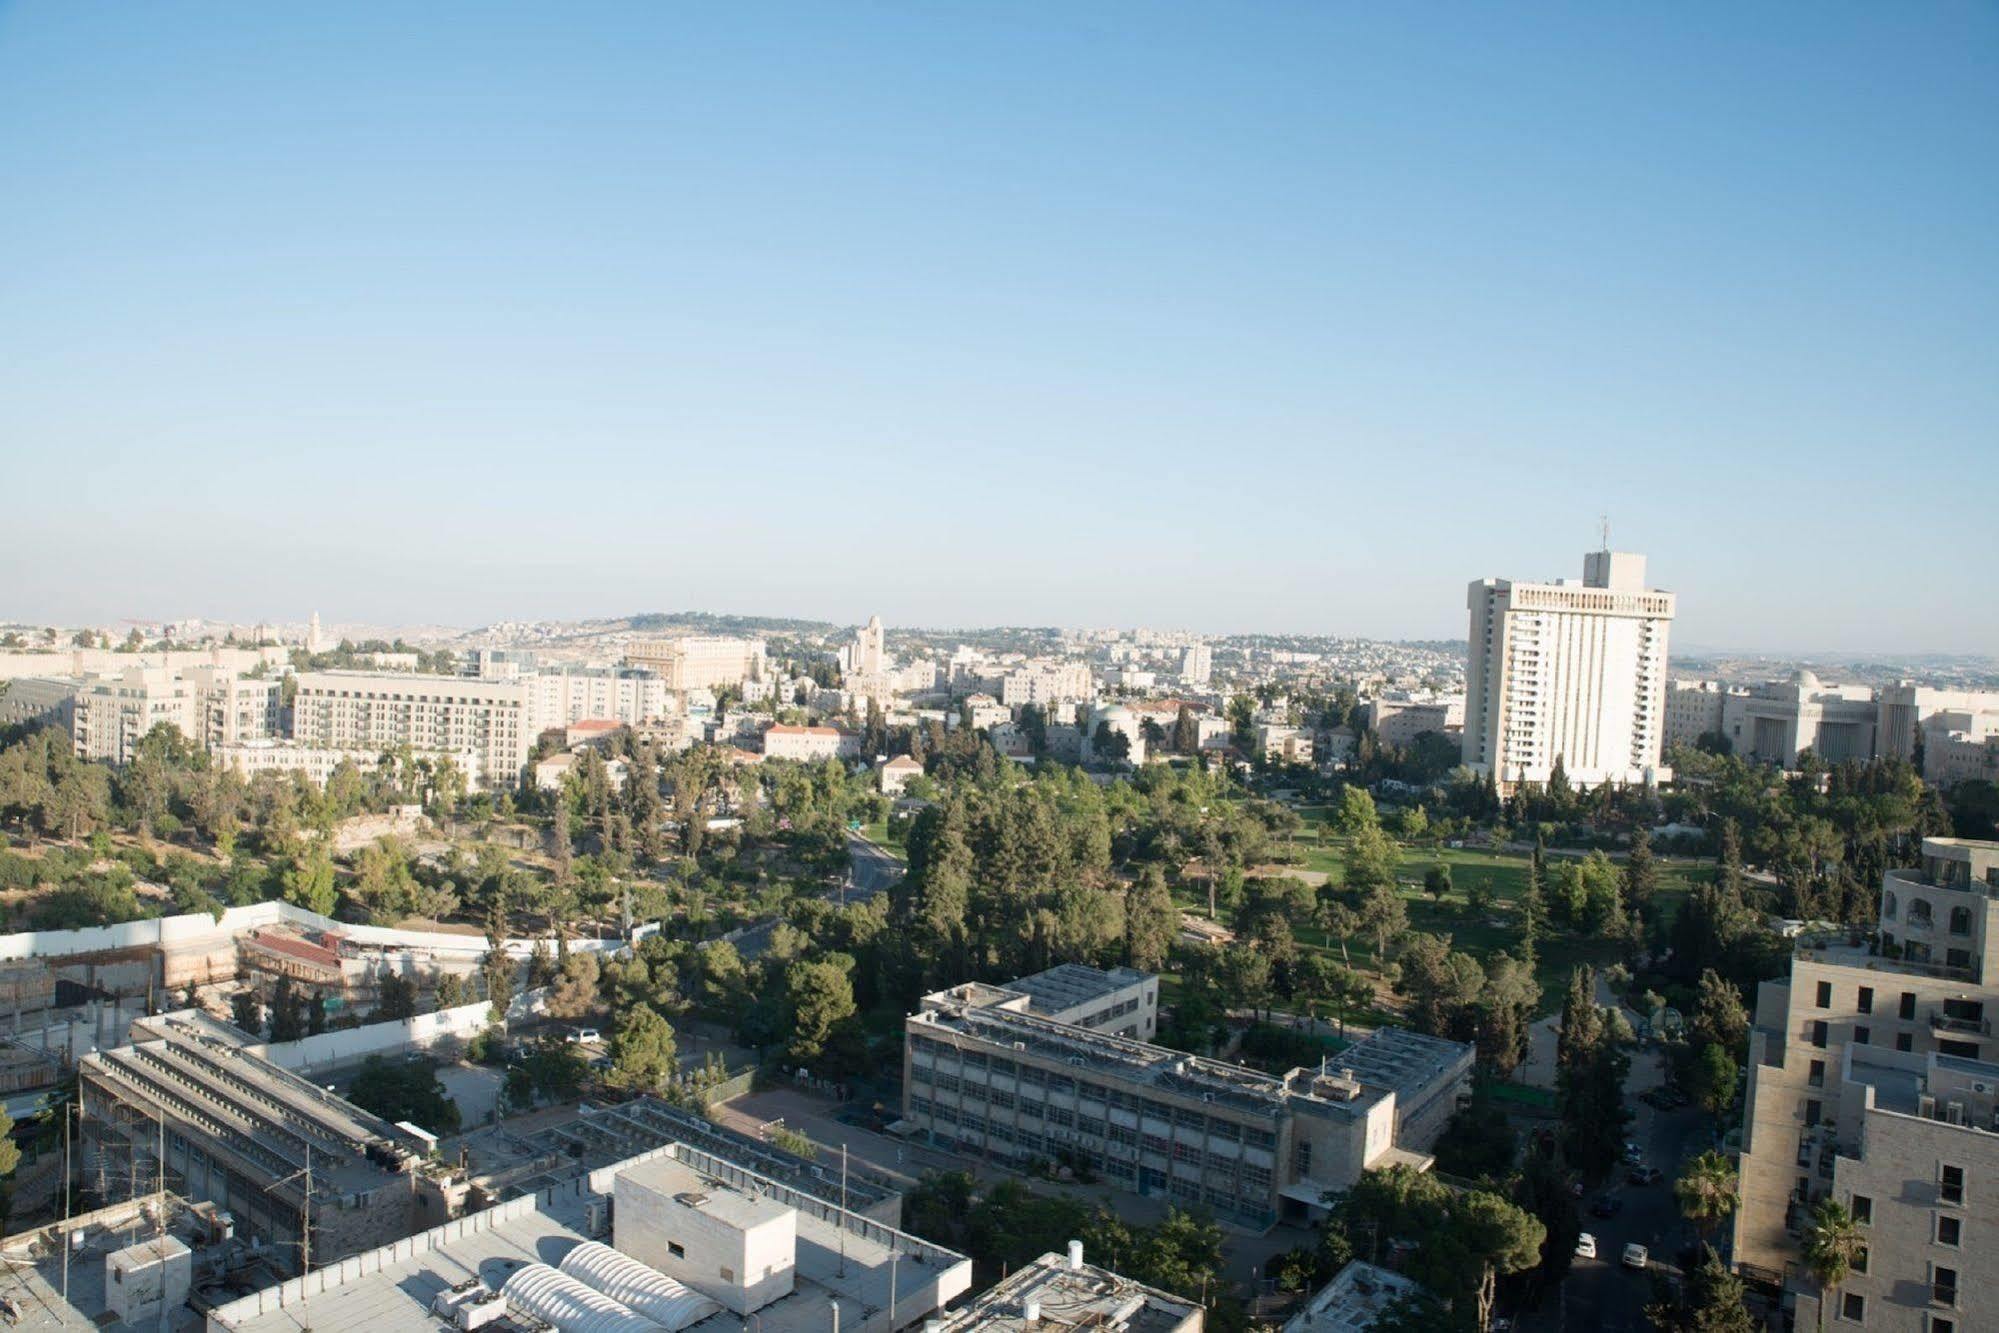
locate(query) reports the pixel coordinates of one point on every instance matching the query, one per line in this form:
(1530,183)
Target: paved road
(870,870)
(1601,1295)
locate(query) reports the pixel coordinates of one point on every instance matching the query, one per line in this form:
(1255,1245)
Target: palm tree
(1832,1245)
(1707,1191)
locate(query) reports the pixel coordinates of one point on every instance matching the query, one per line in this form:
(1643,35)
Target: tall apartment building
(1399,721)
(1197,667)
(699,663)
(1693,710)
(1569,671)
(1055,683)
(360,710)
(990,1072)
(558,696)
(1874,1079)
(209,705)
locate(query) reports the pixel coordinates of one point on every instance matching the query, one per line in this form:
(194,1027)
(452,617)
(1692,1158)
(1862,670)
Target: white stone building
(700,662)
(209,705)
(1873,1081)
(1569,671)
(359,710)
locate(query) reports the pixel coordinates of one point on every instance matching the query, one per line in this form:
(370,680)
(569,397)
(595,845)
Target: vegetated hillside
(706,622)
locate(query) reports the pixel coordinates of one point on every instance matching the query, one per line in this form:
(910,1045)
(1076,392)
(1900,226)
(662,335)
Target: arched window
(1919,911)
(1888,906)
(1960,920)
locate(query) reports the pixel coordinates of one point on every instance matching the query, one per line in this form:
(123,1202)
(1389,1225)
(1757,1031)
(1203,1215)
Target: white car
(1635,1255)
(1585,1246)
(585,1037)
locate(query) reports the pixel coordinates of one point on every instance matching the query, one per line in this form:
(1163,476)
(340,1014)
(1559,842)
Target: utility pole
(843,1229)
(304,1236)
(65,1216)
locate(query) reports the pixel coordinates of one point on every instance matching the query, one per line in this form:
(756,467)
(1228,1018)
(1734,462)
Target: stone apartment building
(360,710)
(1874,1080)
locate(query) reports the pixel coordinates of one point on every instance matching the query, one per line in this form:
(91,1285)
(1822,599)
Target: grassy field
(1505,872)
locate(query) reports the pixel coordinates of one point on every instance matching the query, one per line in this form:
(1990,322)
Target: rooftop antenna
(1603,524)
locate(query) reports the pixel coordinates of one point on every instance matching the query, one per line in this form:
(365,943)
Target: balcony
(1973,1027)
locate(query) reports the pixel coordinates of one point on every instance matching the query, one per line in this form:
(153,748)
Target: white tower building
(1569,671)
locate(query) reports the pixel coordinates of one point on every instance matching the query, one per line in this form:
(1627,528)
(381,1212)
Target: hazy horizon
(1293,319)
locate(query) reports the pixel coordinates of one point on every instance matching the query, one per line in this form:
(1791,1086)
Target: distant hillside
(705,622)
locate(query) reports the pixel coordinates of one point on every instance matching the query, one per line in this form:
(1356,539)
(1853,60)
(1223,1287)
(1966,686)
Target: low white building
(1358,1295)
(317,763)
(896,774)
(783,740)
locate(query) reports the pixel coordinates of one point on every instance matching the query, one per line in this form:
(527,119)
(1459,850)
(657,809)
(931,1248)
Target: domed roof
(1806,677)
(1115,713)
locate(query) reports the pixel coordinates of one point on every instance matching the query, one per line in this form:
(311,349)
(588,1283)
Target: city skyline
(1286,321)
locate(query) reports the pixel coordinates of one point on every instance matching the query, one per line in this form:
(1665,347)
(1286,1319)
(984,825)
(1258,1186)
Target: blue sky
(1273,317)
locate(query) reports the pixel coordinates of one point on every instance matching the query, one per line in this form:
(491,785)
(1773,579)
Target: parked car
(585,1036)
(1645,1175)
(1585,1246)
(1610,1205)
(1634,1152)
(1635,1255)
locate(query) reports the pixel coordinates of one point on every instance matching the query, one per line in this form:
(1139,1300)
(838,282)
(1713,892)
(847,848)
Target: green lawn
(1559,953)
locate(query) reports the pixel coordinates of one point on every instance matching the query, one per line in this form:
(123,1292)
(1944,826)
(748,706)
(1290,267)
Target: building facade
(988,1074)
(209,705)
(560,696)
(700,662)
(359,710)
(1400,721)
(1571,673)
(1873,1074)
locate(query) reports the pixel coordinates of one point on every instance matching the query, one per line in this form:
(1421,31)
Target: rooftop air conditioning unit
(1954,1112)
(1981,1087)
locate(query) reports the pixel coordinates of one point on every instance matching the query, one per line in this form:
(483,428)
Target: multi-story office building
(1873,1073)
(1569,672)
(239,1130)
(209,705)
(1197,666)
(987,1073)
(699,662)
(360,710)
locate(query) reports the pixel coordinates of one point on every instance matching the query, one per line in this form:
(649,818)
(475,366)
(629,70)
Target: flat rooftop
(1400,1061)
(736,1208)
(1352,1301)
(840,1256)
(1086,1297)
(32,1279)
(512,1163)
(1068,985)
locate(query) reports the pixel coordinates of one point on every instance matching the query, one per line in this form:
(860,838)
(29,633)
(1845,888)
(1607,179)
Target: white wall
(200,926)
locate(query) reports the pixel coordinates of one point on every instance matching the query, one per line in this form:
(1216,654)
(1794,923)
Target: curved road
(871,869)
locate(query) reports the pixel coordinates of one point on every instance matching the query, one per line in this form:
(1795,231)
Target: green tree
(405,1090)
(1707,1191)
(395,998)
(246,1011)
(1714,1300)
(1151,921)
(644,1054)
(1833,1244)
(1712,1079)
(309,880)
(1437,881)
(821,1000)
